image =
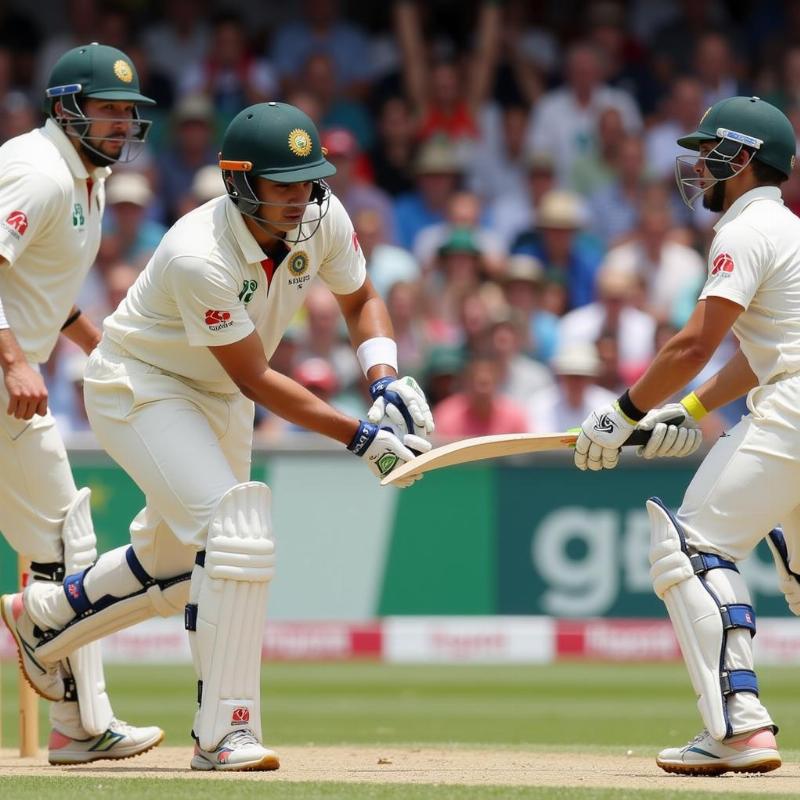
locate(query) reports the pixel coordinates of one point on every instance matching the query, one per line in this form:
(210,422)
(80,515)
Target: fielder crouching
(170,392)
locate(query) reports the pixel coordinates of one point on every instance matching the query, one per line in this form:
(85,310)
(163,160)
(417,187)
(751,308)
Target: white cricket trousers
(37,484)
(184,448)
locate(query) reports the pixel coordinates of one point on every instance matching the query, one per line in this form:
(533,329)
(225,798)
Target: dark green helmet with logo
(99,72)
(279,142)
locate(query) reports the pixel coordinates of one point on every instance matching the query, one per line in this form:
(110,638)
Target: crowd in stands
(508,167)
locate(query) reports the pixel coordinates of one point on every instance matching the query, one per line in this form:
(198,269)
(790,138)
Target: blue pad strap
(75,593)
(738,615)
(703,562)
(135,566)
(739,680)
(190,617)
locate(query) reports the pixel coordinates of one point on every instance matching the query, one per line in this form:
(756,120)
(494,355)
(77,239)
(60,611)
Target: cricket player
(170,392)
(51,206)
(748,481)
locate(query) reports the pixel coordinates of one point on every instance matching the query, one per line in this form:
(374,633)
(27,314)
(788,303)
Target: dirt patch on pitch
(435,765)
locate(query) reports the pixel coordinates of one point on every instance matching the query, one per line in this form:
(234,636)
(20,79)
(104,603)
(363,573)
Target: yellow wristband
(693,405)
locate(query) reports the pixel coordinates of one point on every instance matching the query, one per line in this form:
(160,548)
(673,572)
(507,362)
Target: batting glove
(669,441)
(602,434)
(400,404)
(383,451)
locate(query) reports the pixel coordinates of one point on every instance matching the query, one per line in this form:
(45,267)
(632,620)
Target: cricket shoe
(756,751)
(119,741)
(239,750)
(47,680)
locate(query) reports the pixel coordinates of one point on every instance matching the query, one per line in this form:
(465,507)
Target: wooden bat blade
(479,449)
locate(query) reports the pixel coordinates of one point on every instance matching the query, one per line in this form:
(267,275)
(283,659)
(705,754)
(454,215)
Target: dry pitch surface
(429,765)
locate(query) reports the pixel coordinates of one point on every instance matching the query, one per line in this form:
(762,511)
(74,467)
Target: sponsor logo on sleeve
(722,264)
(217,320)
(16,223)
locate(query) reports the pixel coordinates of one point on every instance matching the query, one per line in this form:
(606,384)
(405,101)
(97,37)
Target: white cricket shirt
(754,261)
(207,285)
(49,233)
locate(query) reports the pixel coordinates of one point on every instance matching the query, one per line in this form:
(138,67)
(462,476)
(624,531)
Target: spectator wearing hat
(437,175)
(523,283)
(521,377)
(513,214)
(387,264)
(614,316)
(206,185)
(480,408)
(134,237)
(575,394)
(464,211)
(442,372)
(570,257)
(191,147)
(349,184)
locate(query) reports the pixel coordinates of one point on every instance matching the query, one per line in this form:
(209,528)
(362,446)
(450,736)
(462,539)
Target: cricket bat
(483,447)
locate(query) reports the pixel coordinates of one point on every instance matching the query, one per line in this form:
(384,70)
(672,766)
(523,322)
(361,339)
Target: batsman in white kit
(52,197)
(170,392)
(748,482)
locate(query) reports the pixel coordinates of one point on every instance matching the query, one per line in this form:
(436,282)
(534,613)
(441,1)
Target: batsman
(169,393)
(52,197)
(747,483)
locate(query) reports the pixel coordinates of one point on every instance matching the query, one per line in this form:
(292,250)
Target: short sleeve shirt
(754,261)
(50,228)
(208,283)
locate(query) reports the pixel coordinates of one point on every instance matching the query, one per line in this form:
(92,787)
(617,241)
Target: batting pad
(225,619)
(709,605)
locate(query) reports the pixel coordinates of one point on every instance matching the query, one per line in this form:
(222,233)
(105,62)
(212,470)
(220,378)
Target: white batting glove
(383,451)
(669,441)
(602,434)
(400,404)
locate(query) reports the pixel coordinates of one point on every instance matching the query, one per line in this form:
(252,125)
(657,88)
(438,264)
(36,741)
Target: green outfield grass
(606,707)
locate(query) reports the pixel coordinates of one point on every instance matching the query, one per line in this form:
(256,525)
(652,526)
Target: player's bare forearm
(367,317)
(10,351)
(686,353)
(83,332)
(248,368)
(733,381)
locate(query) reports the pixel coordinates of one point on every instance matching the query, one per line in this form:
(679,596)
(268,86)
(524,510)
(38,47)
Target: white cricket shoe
(47,680)
(239,750)
(120,740)
(756,751)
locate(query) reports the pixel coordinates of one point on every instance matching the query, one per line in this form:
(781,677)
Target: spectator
(191,147)
(356,193)
(134,236)
(668,269)
(614,316)
(17,115)
(786,95)
(564,121)
(520,376)
(597,168)
(437,174)
(206,185)
(322,30)
(715,69)
(393,155)
(479,409)
(570,257)
(442,371)
(387,264)
(523,283)
(229,73)
(574,396)
(410,330)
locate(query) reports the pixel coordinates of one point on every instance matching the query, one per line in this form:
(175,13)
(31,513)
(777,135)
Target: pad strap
(738,680)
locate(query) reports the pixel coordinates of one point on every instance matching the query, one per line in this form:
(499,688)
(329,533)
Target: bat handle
(643,437)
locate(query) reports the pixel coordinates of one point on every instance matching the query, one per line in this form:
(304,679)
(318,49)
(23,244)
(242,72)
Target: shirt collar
(250,248)
(66,148)
(739,205)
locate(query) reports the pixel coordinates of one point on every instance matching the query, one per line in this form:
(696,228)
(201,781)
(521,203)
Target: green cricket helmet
(99,72)
(736,123)
(279,142)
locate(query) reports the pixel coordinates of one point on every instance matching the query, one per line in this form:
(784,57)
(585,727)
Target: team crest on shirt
(217,320)
(16,223)
(722,264)
(298,269)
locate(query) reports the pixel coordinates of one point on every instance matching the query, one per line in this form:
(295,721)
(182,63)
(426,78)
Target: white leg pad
(709,605)
(122,595)
(227,623)
(86,663)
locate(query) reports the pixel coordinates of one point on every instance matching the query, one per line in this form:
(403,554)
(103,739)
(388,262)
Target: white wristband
(3,321)
(378,350)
